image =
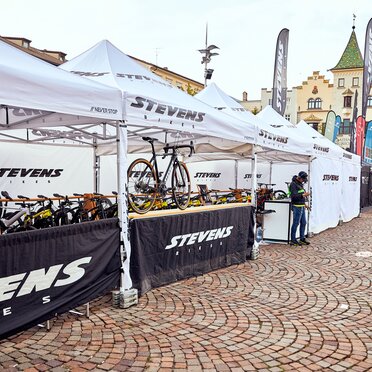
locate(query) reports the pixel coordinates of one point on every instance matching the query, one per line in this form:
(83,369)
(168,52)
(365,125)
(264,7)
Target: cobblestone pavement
(294,309)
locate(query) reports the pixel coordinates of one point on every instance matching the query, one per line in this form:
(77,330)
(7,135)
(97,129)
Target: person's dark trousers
(299,218)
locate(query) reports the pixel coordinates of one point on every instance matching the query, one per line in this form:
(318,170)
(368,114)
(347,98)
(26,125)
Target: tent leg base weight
(128,298)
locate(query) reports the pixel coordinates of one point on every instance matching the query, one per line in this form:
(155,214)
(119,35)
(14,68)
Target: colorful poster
(353,125)
(336,128)
(279,98)
(359,135)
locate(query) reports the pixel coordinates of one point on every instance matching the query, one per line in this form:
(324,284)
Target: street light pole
(207,54)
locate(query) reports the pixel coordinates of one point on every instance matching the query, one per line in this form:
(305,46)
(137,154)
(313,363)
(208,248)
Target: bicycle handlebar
(176,147)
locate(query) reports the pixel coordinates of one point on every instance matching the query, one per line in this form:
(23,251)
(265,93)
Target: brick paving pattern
(294,309)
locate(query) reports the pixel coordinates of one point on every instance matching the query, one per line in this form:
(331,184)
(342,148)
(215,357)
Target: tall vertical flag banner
(359,134)
(368,145)
(279,97)
(367,71)
(353,124)
(330,125)
(337,127)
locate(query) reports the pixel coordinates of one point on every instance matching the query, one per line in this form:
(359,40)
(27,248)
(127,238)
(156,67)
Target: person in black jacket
(298,199)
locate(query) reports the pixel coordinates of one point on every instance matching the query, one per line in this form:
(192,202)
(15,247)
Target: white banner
(218,175)
(282,173)
(326,184)
(245,174)
(29,170)
(350,205)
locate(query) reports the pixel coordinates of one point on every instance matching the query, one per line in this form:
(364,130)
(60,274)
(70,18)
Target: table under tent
(70,265)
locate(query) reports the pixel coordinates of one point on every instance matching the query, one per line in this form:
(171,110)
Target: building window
(347,101)
(288,117)
(369,101)
(318,103)
(341,82)
(25,44)
(355,81)
(311,103)
(288,99)
(314,126)
(270,101)
(345,127)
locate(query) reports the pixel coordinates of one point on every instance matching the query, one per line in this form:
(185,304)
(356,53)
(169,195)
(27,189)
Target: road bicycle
(145,183)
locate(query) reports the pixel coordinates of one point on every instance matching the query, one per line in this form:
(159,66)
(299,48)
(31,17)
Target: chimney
(245,96)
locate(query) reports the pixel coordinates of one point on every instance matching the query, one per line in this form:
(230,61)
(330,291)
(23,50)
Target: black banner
(53,270)
(367,70)
(366,187)
(279,97)
(174,247)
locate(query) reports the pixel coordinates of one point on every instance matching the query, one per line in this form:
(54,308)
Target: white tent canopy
(275,141)
(157,109)
(322,145)
(34,93)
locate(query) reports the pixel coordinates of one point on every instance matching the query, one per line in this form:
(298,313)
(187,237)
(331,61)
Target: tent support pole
(254,175)
(236,174)
(125,248)
(308,232)
(271,172)
(96,167)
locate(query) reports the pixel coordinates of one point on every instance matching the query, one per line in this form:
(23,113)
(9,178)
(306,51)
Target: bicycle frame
(6,223)
(173,160)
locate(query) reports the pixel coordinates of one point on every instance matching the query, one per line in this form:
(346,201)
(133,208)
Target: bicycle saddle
(23,197)
(6,195)
(149,139)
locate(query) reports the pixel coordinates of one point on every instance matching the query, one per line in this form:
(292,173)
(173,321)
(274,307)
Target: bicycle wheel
(181,185)
(62,217)
(142,186)
(279,195)
(103,205)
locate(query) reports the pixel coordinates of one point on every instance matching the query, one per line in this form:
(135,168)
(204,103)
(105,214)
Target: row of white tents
(117,101)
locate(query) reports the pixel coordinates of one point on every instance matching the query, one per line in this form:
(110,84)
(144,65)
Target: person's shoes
(294,243)
(304,241)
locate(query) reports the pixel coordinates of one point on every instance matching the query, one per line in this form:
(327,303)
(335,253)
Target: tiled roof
(352,57)
(34,52)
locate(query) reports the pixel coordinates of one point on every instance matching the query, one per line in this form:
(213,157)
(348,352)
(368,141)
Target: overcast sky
(170,33)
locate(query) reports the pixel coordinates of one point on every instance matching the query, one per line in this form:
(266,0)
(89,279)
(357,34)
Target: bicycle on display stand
(145,184)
